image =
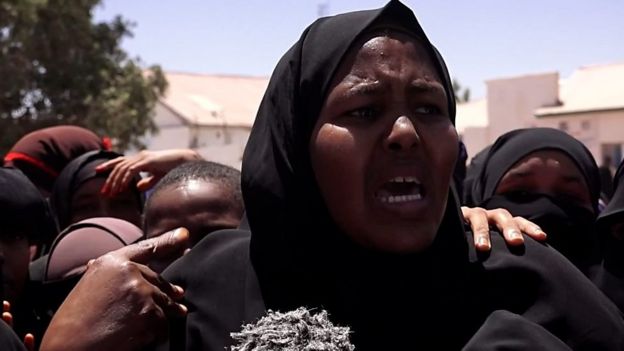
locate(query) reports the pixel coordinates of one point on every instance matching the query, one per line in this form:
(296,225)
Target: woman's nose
(403,135)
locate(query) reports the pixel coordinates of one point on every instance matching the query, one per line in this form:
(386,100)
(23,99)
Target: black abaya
(296,256)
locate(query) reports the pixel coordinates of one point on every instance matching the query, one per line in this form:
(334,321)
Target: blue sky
(480,39)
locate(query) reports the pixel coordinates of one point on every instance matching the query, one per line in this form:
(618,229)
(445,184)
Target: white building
(212,114)
(588,105)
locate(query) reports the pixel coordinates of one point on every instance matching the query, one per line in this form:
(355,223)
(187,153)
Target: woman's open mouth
(400,190)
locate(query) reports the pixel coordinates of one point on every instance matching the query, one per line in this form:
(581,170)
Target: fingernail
(514,234)
(179,233)
(538,230)
(183,308)
(483,243)
(178,290)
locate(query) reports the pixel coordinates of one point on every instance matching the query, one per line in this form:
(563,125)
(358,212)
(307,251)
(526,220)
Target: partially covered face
(198,205)
(548,172)
(384,147)
(88,202)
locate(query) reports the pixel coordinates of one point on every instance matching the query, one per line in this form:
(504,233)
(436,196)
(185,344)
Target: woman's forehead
(379,51)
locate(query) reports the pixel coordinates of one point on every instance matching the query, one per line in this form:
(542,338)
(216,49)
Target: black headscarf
(297,256)
(569,226)
(611,280)
(291,219)
(74,175)
(615,208)
(23,210)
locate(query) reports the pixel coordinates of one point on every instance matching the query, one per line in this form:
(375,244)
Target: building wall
(215,143)
(172,133)
(223,144)
(599,131)
(511,102)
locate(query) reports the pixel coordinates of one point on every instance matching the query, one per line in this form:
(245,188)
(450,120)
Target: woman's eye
(368,112)
(427,110)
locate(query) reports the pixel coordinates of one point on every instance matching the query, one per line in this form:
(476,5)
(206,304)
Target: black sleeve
(540,285)
(221,292)
(9,340)
(504,330)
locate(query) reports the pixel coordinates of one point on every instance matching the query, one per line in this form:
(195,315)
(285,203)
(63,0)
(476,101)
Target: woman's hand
(157,163)
(120,304)
(512,228)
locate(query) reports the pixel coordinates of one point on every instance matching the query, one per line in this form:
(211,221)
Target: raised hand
(157,163)
(120,303)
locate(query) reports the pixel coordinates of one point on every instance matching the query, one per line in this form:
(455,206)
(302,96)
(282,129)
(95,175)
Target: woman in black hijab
(550,178)
(610,227)
(77,193)
(346,181)
(346,185)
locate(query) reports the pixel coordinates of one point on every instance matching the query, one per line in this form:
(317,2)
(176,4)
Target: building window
(563,125)
(585,125)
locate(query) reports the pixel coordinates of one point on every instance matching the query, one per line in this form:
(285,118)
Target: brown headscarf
(42,154)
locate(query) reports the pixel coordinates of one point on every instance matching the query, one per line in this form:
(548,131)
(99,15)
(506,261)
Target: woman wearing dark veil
(346,185)
(610,227)
(346,181)
(550,178)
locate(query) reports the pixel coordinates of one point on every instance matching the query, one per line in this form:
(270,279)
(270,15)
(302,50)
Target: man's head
(201,196)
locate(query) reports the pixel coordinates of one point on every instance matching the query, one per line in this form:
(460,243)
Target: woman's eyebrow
(364,88)
(423,86)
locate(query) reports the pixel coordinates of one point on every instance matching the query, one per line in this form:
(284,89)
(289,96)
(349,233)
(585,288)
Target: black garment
(614,212)
(472,174)
(77,172)
(509,148)
(8,340)
(606,181)
(611,278)
(570,227)
(523,300)
(23,210)
(296,256)
(459,173)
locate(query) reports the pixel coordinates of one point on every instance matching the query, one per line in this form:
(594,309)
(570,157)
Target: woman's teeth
(400,190)
(400,198)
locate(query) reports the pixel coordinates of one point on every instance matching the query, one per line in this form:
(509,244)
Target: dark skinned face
(548,172)
(200,206)
(87,202)
(384,147)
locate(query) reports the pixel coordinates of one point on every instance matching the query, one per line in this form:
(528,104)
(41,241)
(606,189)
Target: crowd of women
(345,219)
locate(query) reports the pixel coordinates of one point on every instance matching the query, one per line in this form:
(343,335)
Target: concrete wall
(215,143)
(594,129)
(511,102)
(223,145)
(172,133)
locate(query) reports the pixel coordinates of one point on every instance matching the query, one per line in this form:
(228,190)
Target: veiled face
(548,172)
(383,148)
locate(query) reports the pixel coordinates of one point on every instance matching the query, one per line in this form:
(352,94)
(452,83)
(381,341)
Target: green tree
(59,67)
(461,94)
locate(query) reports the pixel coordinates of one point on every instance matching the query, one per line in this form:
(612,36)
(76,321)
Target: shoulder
(540,284)
(9,340)
(221,291)
(222,250)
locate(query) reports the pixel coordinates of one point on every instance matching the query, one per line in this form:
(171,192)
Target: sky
(479,39)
